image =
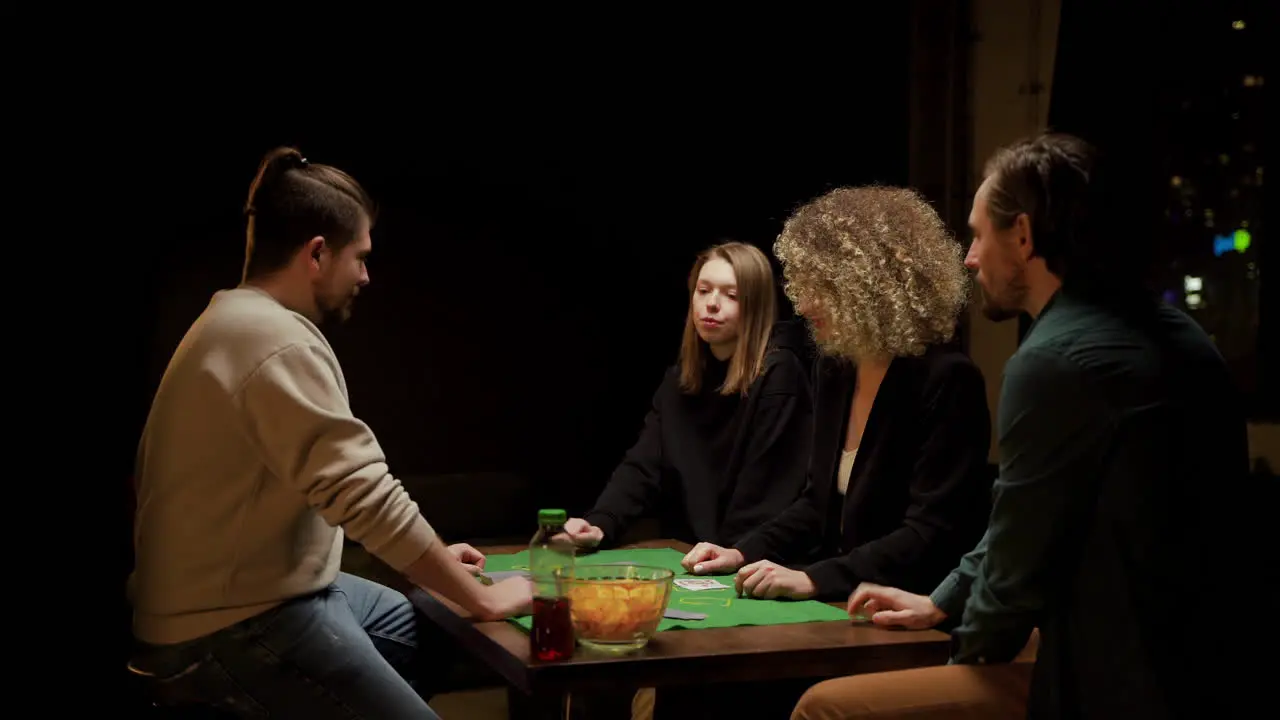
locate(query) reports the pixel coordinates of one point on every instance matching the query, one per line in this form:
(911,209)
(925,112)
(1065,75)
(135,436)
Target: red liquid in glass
(552,635)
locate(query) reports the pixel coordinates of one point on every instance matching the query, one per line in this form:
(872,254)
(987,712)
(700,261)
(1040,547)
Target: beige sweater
(249,463)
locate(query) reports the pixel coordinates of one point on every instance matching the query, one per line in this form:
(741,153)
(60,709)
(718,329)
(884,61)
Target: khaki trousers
(989,692)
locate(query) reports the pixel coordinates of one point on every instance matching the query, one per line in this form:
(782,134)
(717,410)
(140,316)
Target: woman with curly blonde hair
(898,483)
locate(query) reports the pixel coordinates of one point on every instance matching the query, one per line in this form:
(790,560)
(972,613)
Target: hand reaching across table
(582,533)
(710,559)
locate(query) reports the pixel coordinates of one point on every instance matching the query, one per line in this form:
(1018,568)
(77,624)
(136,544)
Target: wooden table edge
(485,640)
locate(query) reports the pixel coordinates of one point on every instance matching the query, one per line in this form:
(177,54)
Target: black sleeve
(796,530)
(950,492)
(772,473)
(636,483)
(788,535)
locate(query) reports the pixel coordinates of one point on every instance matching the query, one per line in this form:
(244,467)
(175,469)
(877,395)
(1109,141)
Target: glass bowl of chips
(615,608)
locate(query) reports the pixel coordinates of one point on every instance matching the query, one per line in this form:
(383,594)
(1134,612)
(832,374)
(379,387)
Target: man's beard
(1008,304)
(335,313)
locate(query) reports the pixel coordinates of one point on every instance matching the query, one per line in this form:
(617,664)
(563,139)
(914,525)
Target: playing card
(683,615)
(700,584)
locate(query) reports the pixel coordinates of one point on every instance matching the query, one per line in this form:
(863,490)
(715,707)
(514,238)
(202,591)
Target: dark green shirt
(1111,424)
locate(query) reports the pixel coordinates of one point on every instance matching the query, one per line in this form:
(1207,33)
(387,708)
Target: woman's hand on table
(709,559)
(769,580)
(583,533)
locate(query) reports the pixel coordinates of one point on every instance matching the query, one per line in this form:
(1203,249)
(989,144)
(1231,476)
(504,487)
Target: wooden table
(805,650)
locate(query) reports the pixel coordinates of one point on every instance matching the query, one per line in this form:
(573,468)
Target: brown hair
(1060,183)
(880,261)
(292,201)
(757,309)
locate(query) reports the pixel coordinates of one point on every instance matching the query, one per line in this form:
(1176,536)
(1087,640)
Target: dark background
(528,274)
(1164,94)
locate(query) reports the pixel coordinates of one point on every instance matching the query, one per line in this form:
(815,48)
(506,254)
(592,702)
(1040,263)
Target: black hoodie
(714,467)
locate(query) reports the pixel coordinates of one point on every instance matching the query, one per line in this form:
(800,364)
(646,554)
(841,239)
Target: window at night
(1212,264)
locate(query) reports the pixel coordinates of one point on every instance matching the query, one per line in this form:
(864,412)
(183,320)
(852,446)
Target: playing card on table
(490,578)
(683,615)
(700,584)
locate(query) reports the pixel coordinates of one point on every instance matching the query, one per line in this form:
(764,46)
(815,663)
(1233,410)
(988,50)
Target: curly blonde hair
(888,276)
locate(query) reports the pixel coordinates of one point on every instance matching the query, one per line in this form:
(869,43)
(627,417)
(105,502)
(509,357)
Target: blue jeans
(348,651)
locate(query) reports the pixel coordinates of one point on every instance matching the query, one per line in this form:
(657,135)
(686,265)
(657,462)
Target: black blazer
(919,495)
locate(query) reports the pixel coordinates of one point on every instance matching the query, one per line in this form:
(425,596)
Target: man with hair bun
(252,469)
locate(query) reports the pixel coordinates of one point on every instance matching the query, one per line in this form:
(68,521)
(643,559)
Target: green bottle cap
(552,517)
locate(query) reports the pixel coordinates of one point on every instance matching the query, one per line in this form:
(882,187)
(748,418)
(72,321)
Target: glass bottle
(550,550)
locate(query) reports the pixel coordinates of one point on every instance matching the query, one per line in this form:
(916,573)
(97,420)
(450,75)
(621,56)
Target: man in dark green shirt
(1123,456)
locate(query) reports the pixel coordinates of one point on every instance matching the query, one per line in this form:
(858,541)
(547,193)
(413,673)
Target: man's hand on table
(711,559)
(508,598)
(471,558)
(892,607)
(513,596)
(450,571)
(769,580)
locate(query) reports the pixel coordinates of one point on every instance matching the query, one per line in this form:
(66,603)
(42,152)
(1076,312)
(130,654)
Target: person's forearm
(953,592)
(631,491)
(439,570)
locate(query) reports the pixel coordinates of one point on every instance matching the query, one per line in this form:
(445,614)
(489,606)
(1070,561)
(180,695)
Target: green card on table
(723,607)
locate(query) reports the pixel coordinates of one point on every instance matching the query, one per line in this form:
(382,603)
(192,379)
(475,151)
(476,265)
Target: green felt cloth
(723,607)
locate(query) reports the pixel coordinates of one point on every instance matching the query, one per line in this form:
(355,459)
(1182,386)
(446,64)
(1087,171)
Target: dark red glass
(552,635)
